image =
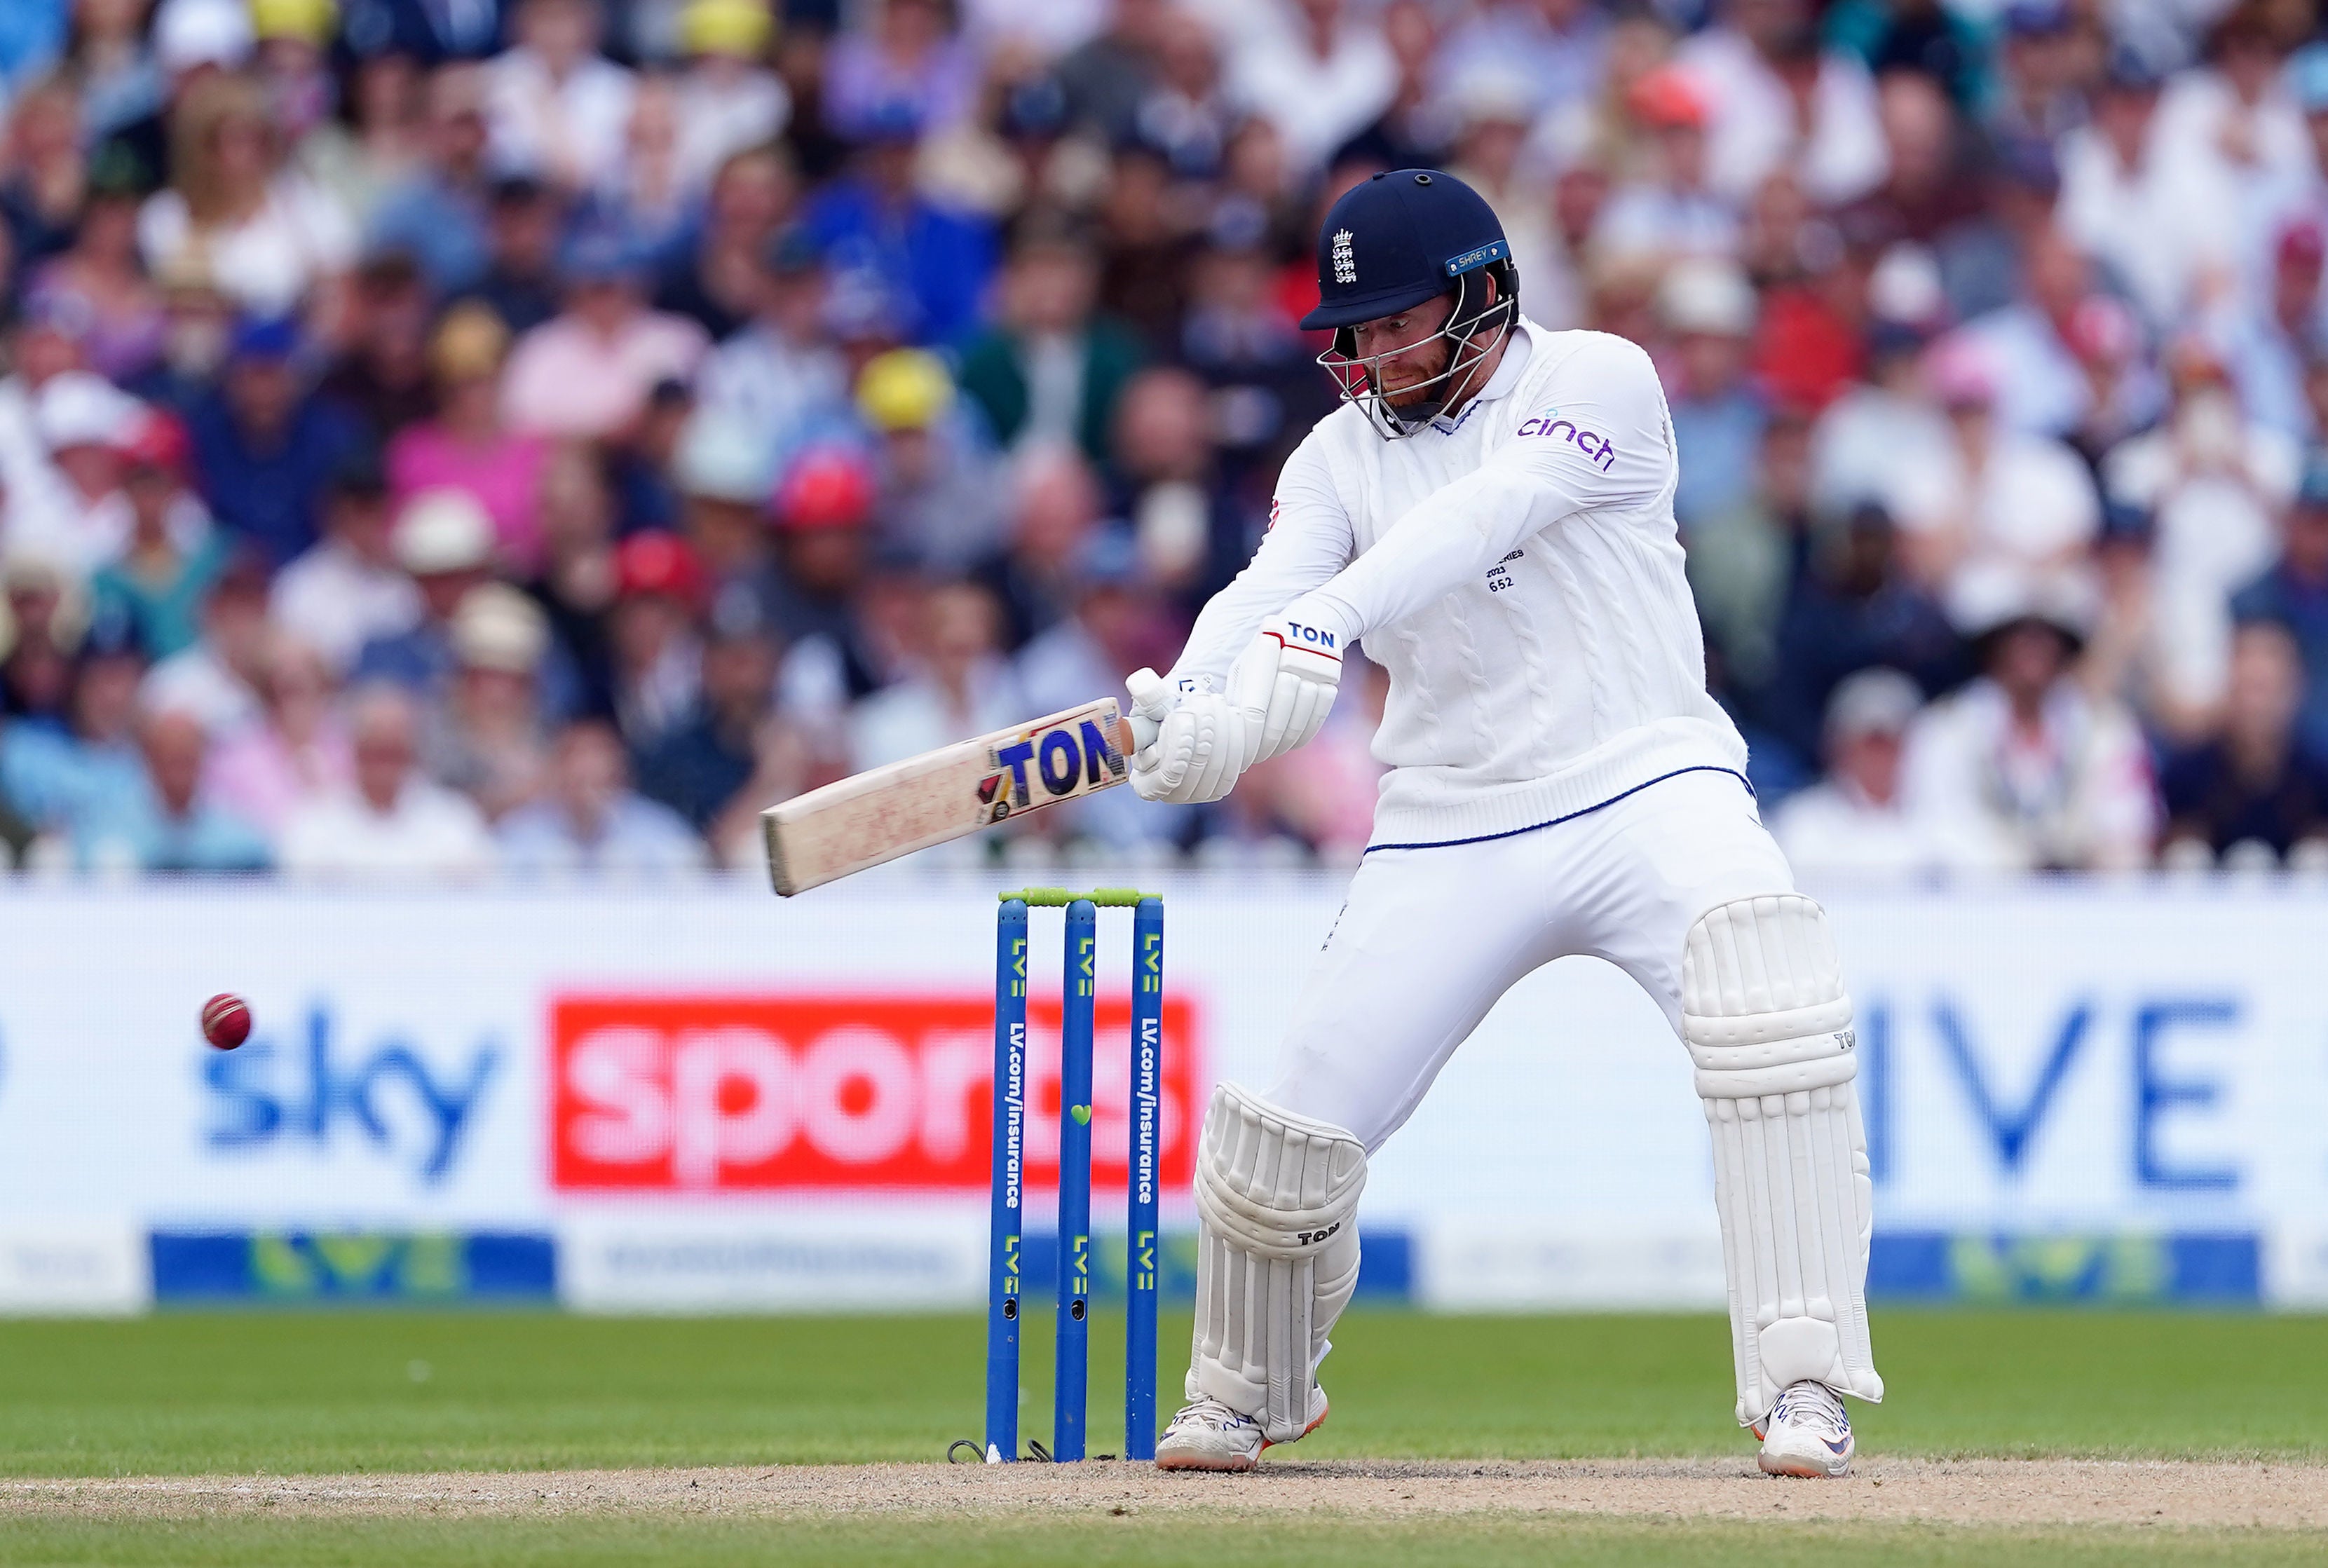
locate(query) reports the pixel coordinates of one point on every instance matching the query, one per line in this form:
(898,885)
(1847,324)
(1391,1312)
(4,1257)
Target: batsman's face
(1410,354)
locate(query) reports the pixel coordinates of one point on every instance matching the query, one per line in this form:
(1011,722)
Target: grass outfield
(206,1394)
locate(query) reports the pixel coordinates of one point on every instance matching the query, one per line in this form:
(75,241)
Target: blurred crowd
(462,435)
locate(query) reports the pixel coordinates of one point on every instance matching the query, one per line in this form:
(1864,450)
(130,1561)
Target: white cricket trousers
(1429,938)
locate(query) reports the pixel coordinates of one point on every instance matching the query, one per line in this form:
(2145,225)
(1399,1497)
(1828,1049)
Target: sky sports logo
(833,1091)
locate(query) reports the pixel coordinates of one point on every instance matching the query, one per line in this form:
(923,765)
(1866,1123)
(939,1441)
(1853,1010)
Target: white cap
(192,33)
(1988,596)
(1872,702)
(720,457)
(443,530)
(1495,94)
(82,409)
(499,628)
(1708,295)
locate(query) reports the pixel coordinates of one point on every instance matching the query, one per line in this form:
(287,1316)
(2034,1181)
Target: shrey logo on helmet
(1345,264)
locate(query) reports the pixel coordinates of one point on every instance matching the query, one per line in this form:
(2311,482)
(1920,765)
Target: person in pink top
(467,447)
(298,752)
(587,371)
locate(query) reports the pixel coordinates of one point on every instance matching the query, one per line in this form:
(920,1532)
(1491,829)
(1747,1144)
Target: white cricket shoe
(1209,1436)
(1807,1433)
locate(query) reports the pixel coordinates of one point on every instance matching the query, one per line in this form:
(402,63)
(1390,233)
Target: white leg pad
(1768,1024)
(1277,1257)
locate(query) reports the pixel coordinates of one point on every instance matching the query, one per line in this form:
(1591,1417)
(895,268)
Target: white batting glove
(1284,684)
(1198,753)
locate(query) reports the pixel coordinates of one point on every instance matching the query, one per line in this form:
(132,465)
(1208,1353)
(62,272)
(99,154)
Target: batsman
(1491,512)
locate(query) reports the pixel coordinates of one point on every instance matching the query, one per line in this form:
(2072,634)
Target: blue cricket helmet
(1397,239)
(1391,243)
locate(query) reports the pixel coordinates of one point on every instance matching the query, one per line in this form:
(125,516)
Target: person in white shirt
(1853,823)
(555,106)
(348,590)
(1997,508)
(2022,769)
(1781,101)
(394,821)
(1321,75)
(1492,513)
(2144,202)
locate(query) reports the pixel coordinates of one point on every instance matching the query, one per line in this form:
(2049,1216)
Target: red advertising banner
(757,1093)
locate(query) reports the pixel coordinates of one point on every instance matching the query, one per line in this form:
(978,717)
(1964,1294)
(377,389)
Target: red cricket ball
(225,1020)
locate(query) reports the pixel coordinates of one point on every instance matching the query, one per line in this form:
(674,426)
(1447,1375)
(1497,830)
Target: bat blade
(874,817)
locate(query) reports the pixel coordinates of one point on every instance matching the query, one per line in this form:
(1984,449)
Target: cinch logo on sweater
(1592,442)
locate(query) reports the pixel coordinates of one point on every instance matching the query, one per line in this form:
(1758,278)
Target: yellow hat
(903,389)
(739,27)
(311,21)
(468,343)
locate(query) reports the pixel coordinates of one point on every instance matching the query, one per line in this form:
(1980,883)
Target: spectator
(2294,593)
(520,281)
(721,474)
(1744,560)
(1667,209)
(2141,200)
(41,196)
(577,583)
(589,372)
(2213,484)
(729,100)
(1559,47)
(44,608)
(443,541)
(166,566)
(466,447)
(589,819)
(556,107)
(1779,100)
(100,275)
(381,373)
(656,656)
(959,685)
(215,678)
(1717,416)
(170,824)
(273,240)
(716,279)
(53,775)
(1318,71)
(439,212)
(2252,785)
(1108,78)
(265,446)
(2004,511)
(85,422)
(1050,371)
(1853,820)
(198,324)
(46,343)
(1192,533)
(393,821)
(298,750)
(824,512)
(933,466)
(1854,606)
(909,60)
(1054,507)
(927,265)
(2020,770)
(778,375)
(348,590)
(700,766)
(486,737)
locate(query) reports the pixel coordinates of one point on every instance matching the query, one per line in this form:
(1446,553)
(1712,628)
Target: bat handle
(1150,703)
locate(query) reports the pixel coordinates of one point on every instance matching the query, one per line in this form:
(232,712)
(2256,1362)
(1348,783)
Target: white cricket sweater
(1516,570)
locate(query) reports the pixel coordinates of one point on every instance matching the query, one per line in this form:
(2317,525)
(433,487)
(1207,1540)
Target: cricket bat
(876,816)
